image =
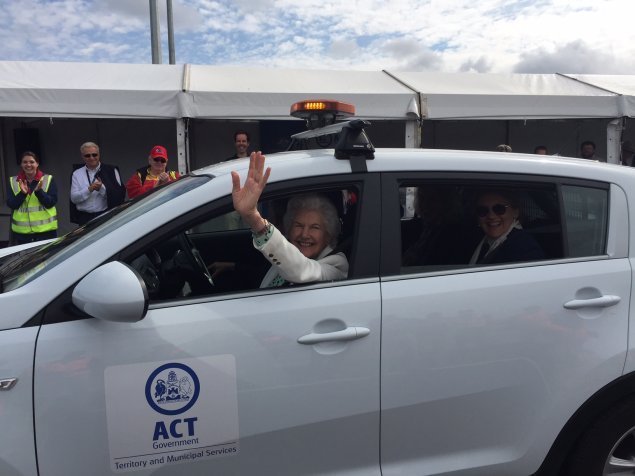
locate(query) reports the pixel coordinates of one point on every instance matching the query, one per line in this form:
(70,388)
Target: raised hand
(246,198)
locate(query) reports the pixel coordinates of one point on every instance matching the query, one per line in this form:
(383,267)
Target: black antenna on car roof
(353,143)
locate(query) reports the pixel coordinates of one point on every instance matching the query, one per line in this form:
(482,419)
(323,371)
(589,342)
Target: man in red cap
(146,178)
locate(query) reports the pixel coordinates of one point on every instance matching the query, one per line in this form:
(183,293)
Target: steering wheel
(195,259)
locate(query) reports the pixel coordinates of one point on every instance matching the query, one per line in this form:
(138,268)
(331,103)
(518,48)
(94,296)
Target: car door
(256,381)
(17,452)
(482,366)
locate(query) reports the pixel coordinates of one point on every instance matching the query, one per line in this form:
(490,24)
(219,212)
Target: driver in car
(311,224)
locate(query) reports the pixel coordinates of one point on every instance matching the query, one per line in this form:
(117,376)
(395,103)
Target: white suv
(119,354)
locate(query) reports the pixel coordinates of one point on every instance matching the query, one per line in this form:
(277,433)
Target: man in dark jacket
(95,186)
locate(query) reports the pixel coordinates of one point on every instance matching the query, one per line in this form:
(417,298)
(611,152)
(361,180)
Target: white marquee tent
(251,93)
(43,89)
(508,96)
(49,89)
(101,100)
(623,85)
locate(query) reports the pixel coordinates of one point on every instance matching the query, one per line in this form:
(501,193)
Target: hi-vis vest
(143,174)
(32,217)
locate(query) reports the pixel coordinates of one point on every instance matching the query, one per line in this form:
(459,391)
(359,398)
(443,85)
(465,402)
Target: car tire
(607,447)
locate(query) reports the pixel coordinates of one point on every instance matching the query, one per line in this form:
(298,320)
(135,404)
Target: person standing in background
(241,143)
(95,188)
(33,199)
(152,175)
(587,151)
(628,151)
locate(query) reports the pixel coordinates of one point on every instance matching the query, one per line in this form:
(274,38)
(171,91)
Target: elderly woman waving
(305,253)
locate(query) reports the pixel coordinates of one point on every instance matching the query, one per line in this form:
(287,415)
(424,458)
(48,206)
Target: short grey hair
(320,204)
(86,145)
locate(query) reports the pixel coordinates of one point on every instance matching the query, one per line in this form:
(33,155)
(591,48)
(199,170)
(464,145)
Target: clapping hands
(24,186)
(96,185)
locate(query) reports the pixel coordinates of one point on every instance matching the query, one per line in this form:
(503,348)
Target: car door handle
(602,301)
(350,333)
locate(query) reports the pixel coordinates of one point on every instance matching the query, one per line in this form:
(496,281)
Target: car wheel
(608,446)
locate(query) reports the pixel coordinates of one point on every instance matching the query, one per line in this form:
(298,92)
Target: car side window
(457,224)
(586,218)
(216,254)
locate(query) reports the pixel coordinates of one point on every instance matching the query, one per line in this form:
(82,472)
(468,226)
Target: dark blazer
(437,244)
(519,246)
(115,192)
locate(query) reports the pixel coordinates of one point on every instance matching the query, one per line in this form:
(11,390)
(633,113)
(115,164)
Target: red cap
(158,151)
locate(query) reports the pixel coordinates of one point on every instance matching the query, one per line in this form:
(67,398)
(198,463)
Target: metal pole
(155,33)
(614,131)
(170,32)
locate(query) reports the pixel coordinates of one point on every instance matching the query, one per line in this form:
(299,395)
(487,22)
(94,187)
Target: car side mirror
(113,292)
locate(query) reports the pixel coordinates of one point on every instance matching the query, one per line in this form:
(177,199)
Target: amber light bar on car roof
(320,113)
(300,108)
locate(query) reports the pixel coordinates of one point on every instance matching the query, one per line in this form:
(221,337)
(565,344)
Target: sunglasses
(498,209)
(159,159)
(90,155)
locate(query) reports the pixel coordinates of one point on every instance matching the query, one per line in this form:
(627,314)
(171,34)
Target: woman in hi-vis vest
(32,198)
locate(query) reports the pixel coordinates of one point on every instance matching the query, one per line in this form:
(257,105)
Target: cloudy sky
(495,36)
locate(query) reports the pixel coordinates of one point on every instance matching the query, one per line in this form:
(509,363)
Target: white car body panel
(17,451)
(14,249)
(299,406)
(477,373)
(474,365)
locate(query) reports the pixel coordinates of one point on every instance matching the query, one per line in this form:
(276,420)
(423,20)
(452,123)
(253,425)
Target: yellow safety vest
(32,217)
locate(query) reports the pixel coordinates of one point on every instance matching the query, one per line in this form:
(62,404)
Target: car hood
(14,249)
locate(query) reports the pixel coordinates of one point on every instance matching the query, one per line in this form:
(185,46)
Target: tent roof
(507,96)
(43,89)
(232,92)
(53,89)
(624,85)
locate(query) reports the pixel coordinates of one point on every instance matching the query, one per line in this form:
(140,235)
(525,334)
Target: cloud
(343,48)
(494,36)
(480,65)
(186,17)
(411,55)
(575,57)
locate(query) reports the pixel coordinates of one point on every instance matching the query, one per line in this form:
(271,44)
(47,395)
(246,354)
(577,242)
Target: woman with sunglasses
(504,239)
(153,175)
(32,197)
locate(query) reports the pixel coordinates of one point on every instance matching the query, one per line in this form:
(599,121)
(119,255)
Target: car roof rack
(353,143)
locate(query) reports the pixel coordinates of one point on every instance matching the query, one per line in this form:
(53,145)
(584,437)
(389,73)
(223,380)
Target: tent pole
(182,145)
(5,211)
(614,141)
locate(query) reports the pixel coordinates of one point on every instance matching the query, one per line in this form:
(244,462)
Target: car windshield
(20,268)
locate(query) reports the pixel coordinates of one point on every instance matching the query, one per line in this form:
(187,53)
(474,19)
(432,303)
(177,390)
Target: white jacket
(287,261)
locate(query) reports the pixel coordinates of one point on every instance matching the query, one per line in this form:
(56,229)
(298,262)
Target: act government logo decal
(172,389)
(171,412)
